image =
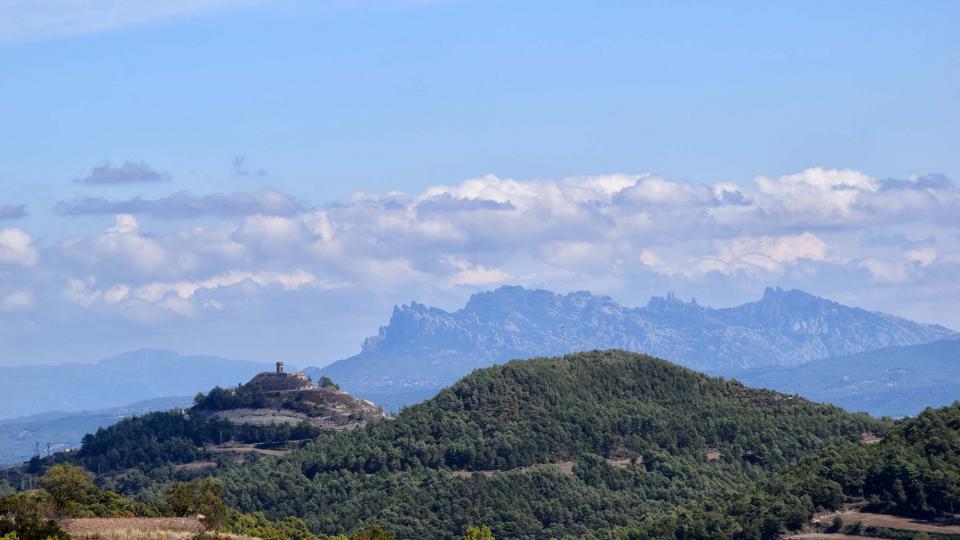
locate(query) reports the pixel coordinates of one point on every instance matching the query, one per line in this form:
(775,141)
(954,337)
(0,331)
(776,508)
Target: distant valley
(118,381)
(20,437)
(893,381)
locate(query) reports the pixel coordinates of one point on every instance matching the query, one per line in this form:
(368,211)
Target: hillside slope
(424,348)
(645,435)
(893,381)
(275,410)
(914,471)
(65,430)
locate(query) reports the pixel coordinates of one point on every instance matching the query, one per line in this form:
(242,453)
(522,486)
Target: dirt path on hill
(246,449)
(828,536)
(566,467)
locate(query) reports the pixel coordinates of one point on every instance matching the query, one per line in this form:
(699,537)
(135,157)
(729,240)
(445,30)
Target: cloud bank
(32,19)
(890,244)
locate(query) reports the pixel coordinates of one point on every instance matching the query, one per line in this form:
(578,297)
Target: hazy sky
(266,179)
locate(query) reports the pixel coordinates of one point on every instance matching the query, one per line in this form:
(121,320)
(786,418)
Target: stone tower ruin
(279,367)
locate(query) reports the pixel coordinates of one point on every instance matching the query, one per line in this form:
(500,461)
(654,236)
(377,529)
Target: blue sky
(270,118)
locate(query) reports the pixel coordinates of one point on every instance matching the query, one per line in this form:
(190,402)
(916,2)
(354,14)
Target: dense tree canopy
(658,451)
(162,438)
(591,408)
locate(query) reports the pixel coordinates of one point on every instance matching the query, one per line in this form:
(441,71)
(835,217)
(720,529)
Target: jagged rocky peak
(510,299)
(410,323)
(424,346)
(793,297)
(671,304)
(785,308)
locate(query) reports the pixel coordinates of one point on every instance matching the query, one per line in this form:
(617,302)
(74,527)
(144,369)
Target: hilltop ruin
(289,398)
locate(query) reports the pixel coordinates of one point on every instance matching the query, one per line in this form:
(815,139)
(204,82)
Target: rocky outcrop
(291,398)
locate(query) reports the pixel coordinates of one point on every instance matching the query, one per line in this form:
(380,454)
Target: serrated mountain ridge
(427,347)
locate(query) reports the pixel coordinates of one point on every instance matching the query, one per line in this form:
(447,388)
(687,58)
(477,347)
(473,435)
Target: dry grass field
(867,519)
(829,536)
(138,529)
(893,522)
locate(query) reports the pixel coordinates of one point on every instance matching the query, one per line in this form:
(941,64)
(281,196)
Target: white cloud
(924,256)
(179,296)
(30,19)
(770,253)
(122,246)
(187,289)
(653,190)
(604,232)
(81,291)
(884,271)
(467,273)
(270,232)
(16,301)
(750,255)
(16,247)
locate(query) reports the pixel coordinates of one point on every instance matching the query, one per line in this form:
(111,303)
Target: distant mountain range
(423,348)
(116,381)
(62,430)
(893,381)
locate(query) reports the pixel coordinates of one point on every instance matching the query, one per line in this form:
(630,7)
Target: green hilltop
(579,446)
(597,445)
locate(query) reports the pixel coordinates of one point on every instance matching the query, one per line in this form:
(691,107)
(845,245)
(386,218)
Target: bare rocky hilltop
(288,398)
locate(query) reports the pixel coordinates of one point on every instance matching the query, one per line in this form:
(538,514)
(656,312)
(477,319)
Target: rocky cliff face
(424,347)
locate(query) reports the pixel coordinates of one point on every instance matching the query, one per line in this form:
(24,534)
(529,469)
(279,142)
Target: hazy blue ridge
(425,348)
(892,381)
(117,381)
(64,430)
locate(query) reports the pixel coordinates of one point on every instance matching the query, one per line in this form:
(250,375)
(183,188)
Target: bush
(479,533)
(29,518)
(197,497)
(372,532)
(66,484)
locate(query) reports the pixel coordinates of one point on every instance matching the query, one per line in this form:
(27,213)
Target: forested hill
(646,435)
(913,471)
